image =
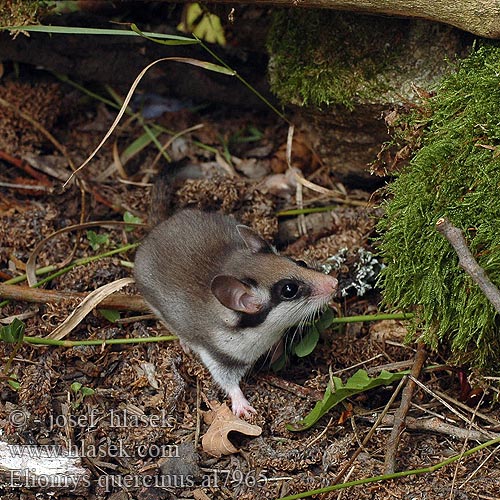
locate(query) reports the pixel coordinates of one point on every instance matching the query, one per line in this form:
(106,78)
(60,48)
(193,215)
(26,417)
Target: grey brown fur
(206,277)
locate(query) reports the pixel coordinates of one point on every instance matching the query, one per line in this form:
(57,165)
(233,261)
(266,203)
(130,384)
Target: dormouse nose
(327,285)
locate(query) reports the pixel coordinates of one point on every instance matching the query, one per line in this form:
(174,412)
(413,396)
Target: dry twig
(467,261)
(25,167)
(436,424)
(400,415)
(461,416)
(118,301)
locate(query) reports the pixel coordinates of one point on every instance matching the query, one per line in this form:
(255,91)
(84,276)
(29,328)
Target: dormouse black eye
(289,290)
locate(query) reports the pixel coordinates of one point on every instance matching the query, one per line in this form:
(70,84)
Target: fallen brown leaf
(222,421)
(345,415)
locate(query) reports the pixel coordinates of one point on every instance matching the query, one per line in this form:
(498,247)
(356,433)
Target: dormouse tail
(163,191)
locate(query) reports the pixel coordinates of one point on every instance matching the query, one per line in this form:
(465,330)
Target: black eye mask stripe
(257,319)
(253,320)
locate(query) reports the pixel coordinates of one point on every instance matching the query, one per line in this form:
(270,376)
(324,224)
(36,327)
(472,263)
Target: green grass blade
(226,70)
(70,30)
(138,145)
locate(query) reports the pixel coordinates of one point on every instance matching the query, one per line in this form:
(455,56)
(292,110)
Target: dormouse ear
(253,240)
(235,295)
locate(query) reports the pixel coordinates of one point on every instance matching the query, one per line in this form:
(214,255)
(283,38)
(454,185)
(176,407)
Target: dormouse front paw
(240,405)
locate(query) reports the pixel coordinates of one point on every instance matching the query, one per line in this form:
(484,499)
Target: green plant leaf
(307,343)
(336,392)
(325,320)
(75,387)
(110,314)
(202,24)
(205,65)
(310,340)
(128,217)
(13,332)
(249,134)
(97,240)
(280,363)
(14,384)
(87,391)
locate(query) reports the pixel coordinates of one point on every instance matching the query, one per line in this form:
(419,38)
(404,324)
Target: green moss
(456,174)
(325,57)
(20,12)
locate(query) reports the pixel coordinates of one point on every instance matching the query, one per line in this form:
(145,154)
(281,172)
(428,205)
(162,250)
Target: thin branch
(402,411)
(26,187)
(461,416)
(118,301)
(467,261)
(296,389)
(436,424)
(483,416)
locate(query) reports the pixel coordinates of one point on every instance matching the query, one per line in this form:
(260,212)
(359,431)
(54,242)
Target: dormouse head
(265,288)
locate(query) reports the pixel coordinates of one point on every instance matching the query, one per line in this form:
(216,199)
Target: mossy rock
(323,58)
(342,72)
(456,174)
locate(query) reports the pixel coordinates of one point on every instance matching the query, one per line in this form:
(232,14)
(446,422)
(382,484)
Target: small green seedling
(97,240)
(13,333)
(307,343)
(112,315)
(310,338)
(128,217)
(13,382)
(80,393)
(249,134)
